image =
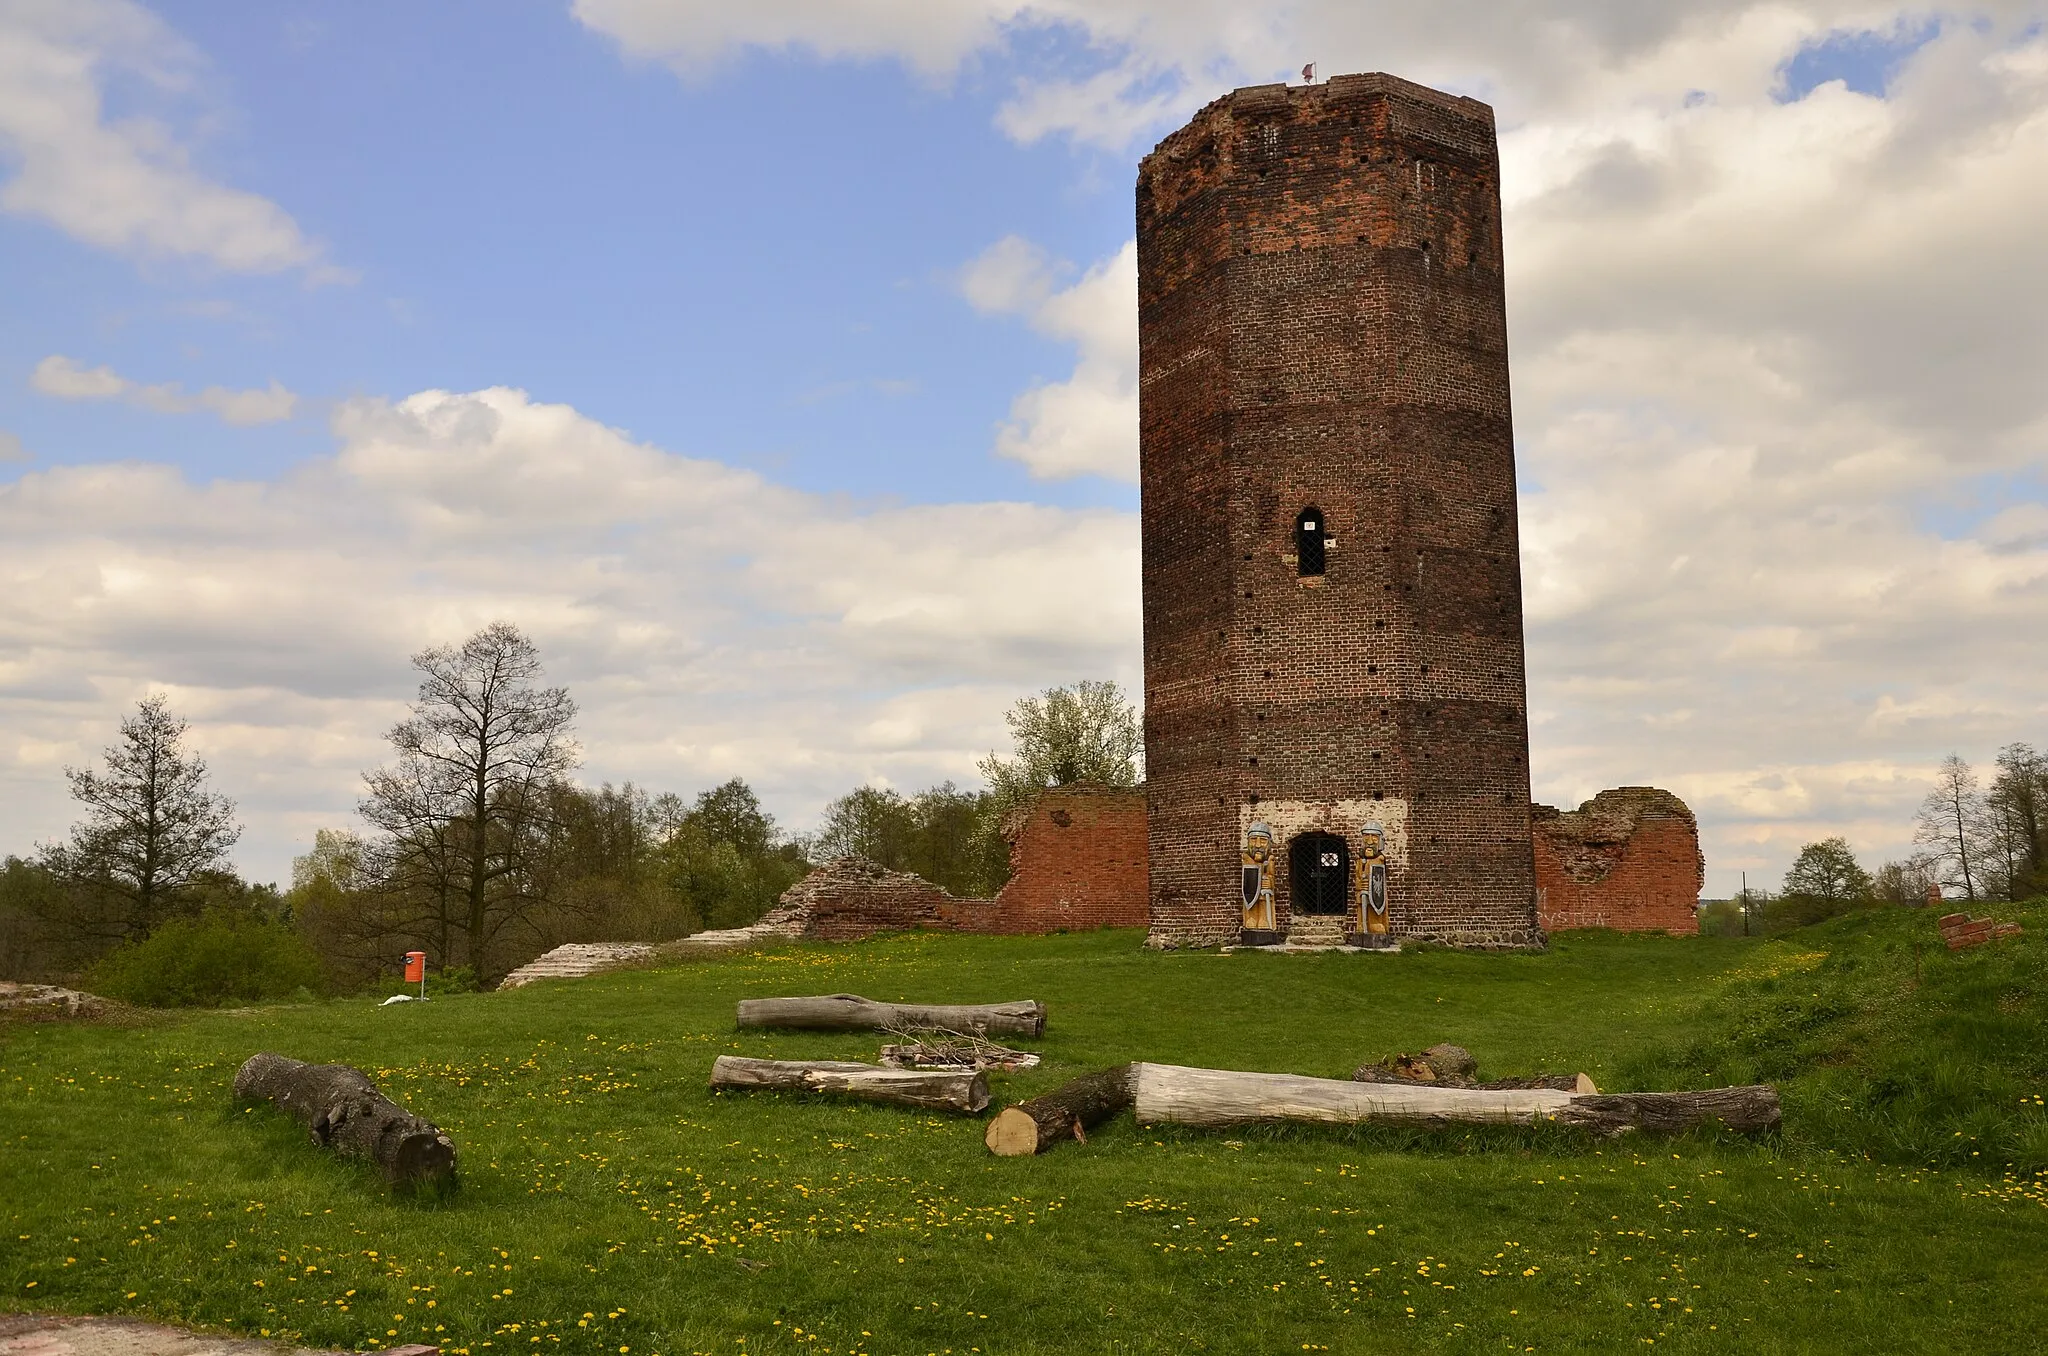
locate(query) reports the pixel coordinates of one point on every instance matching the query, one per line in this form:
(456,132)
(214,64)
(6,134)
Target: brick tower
(1335,731)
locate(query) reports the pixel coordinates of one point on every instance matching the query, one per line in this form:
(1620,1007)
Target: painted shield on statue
(1376,892)
(1252,879)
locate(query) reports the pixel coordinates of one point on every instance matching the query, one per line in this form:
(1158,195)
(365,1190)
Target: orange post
(415,967)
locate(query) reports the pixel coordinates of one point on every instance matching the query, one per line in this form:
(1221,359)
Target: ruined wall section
(1077,860)
(1627,859)
(1322,322)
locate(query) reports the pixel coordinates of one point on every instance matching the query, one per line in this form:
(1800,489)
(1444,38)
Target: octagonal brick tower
(1332,584)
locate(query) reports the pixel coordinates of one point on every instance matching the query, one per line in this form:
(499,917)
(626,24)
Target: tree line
(476,845)
(1974,843)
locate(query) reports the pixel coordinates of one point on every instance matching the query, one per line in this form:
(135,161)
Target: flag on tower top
(1308,73)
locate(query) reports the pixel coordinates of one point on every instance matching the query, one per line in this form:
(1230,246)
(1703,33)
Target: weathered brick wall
(1077,860)
(1322,323)
(1627,859)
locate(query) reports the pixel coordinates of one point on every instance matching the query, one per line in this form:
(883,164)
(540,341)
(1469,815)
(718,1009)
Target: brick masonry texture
(1961,931)
(1322,324)
(1627,859)
(1077,860)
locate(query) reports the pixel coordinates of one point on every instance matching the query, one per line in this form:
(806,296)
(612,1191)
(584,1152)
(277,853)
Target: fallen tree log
(1748,1110)
(850,1012)
(926,1089)
(1067,1112)
(1169,1093)
(343,1111)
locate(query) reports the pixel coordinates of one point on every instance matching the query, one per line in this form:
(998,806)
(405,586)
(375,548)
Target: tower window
(1310,532)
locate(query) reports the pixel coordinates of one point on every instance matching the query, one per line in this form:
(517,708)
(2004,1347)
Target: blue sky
(775,367)
(756,265)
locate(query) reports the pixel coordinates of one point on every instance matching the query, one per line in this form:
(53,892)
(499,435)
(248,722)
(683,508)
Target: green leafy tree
(732,813)
(1085,733)
(152,834)
(358,928)
(868,821)
(36,942)
(958,842)
(725,861)
(1828,870)
(949,836)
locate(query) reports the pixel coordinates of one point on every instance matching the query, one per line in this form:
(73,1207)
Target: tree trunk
(1218,1097)
(343,1110)
(849,1012)
(1065,1113)
(926,1089)
(1746,1110)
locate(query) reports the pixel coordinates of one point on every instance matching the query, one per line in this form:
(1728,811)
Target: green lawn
(610,1204)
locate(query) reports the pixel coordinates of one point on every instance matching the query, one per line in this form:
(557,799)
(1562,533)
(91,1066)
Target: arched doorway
(1319,874)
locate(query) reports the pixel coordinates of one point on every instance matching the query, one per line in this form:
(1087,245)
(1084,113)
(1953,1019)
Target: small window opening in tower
(1310,537)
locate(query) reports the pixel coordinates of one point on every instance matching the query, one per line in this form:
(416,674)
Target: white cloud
(64,378)
(932,36)
(1776,368)
(709,622)
(1087,424)
(124,184)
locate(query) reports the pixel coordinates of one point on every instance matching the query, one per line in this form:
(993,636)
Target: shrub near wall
(207,962)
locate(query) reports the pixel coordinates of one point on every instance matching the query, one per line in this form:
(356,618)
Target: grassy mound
(1884,1043)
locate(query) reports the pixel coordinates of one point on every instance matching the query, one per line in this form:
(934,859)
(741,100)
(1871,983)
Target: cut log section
(343,1111)
(1748,1110)
(1168,1093)
(1065,1113)
(964,1090)
(850,1012)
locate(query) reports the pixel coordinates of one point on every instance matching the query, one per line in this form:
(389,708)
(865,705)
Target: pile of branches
(924,1049)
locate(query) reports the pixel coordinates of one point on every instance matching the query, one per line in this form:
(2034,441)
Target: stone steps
(574,960)
(1315,930)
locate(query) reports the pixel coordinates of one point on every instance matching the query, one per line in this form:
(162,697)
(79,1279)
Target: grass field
(610,1204)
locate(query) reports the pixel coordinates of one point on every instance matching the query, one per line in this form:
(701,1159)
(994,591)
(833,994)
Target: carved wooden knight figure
(1258,879)
(1369,909)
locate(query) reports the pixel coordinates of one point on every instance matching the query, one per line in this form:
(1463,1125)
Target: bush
(215,959)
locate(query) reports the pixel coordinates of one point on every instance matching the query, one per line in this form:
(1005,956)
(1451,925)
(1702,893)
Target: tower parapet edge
(1332,588)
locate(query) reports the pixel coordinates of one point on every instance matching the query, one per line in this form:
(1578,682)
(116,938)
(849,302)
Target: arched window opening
(1310,532)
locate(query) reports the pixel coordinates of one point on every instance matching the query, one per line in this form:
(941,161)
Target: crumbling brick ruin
(1077,860)
(1626,859)
(1335,725)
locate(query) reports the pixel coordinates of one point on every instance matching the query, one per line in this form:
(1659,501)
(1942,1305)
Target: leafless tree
(2016,818)
(1952,824)
(1906,883)
(152,830)
(464,814)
